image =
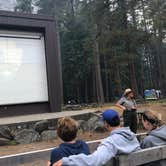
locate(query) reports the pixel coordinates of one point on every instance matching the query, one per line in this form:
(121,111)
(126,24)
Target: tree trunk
(106,79)
(94,85)
(99,86)
(60,67)
(118,80)
(86,91)
(133,78)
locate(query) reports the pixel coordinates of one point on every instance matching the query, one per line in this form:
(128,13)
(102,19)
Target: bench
(144,156)
(134,159)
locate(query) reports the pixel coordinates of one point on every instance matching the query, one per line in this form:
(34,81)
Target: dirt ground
(87,136)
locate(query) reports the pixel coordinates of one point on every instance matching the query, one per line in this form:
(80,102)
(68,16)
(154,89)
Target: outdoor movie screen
(23,75)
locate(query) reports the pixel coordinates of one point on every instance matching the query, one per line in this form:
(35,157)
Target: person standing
(128,104)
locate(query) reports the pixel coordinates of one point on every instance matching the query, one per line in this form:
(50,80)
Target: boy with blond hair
(67,130)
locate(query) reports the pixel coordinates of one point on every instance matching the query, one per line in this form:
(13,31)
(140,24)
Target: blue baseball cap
(110,116)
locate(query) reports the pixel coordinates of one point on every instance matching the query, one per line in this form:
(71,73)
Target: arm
(120,104)
(100,157)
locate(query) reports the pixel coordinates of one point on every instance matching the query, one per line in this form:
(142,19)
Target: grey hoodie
(156,137)
(120,141)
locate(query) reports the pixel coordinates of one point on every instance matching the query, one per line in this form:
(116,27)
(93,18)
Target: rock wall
(45,130)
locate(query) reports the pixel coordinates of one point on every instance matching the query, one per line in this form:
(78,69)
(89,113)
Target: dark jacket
(67,149)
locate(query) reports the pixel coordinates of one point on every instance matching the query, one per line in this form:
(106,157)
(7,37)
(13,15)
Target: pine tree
(24,6)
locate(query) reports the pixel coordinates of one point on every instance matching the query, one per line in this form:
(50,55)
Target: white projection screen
(23,77)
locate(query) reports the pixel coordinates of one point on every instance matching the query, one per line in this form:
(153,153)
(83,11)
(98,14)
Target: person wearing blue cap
(120,141)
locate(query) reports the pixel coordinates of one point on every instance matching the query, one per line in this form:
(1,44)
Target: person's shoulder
(84,146)
(122,99)
(81,141)
(56,155)
(56,150)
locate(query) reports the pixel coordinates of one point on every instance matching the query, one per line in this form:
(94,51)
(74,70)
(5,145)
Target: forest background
(107,45)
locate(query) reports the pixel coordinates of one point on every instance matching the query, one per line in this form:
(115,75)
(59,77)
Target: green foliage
(13,143)
(130,35)
(24,6)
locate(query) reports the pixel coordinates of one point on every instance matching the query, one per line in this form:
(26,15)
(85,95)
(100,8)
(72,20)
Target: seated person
(67,131)
(120,141)
(156,135)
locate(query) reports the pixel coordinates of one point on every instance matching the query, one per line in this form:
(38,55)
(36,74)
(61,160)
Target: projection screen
(23,77)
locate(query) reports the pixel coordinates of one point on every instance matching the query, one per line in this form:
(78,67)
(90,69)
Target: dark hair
(151,118)
(114,122)
(67,129)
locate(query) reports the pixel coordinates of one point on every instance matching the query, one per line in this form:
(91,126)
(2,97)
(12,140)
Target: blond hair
(67,129)
(151,117)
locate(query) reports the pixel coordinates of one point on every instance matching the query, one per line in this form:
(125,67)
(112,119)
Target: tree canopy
(108,45)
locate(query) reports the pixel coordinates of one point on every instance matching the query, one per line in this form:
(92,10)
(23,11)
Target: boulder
(4,141)
(83,125)
(99,127)
(5,133)
(27,136)
(48,135)
(92,121)
(41,125)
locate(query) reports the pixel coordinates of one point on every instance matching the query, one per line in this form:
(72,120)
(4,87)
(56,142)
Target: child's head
(67,129)
(111,117)
(150,120)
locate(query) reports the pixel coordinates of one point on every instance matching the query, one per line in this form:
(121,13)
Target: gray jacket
(120,141)
(156,137)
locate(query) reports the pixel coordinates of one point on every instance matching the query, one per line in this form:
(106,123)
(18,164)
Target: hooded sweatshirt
(155,137)
(120,141)
(67,149)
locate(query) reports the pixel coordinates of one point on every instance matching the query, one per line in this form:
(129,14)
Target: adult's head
(111,119)
(128,93)
(67,129)
(150,120)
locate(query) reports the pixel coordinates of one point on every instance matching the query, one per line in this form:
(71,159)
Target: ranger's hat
(127,91)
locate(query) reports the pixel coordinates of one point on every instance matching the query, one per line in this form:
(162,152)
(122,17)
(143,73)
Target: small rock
(99,127)
(4,141)
(92,121)
(48,135)
(82,125)
(5,133)
(27,136)
(41,125)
